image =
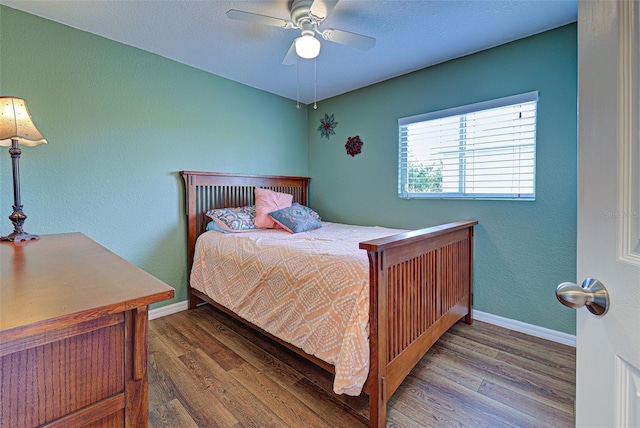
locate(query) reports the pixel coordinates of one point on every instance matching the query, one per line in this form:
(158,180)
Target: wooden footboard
(420,285)
(420,281)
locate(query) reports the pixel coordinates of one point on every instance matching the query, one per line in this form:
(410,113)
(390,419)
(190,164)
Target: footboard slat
(454,276)
(412,301)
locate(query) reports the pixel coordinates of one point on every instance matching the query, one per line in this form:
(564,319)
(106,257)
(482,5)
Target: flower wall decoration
(354,145)
(327,126)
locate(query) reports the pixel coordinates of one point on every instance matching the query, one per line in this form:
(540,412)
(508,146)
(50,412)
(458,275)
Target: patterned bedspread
(310,289)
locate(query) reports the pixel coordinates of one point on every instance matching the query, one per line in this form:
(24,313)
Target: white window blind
(480,151)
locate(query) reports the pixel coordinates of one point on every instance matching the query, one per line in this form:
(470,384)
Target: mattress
(309,289)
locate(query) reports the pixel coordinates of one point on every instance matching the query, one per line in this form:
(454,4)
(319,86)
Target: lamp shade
(16,123)
(307,46)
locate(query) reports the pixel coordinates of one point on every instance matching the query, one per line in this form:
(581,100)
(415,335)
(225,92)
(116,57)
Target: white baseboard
(168,310)
(530,329)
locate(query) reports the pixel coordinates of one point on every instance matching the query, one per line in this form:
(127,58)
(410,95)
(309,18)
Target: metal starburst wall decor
(327,126)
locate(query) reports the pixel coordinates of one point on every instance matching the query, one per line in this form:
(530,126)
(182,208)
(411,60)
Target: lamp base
(17,217)
(18,237)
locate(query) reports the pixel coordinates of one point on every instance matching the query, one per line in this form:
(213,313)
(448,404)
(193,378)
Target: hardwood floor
(208,370)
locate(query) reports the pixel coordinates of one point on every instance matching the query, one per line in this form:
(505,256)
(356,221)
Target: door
(608,346)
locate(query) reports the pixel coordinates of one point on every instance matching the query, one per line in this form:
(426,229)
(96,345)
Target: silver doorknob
(591,294)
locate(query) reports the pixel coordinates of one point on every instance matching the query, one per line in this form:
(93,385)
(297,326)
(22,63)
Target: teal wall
(523,249)
(121,123)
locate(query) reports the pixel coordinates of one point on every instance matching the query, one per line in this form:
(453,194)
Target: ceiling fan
(307,16)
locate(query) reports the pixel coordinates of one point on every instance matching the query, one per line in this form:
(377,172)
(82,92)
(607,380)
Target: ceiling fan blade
(291,57)
(320,9)
(255,18)
(350,39)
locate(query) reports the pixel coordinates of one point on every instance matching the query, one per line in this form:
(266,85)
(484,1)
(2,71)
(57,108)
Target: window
(479,151)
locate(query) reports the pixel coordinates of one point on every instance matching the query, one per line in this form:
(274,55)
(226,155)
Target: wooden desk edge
(73,318)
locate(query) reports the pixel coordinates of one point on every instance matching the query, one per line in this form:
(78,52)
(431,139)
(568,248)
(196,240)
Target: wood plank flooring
(208,370)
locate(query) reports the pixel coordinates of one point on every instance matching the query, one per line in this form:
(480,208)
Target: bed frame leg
(194,301)
(378,406)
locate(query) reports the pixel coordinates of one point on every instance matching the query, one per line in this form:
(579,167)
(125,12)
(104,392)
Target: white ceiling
(411,34)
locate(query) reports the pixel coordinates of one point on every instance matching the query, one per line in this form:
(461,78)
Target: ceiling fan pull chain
(315,84)
(297,85)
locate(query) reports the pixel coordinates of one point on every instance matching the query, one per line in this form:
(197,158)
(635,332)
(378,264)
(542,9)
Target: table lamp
(16,127)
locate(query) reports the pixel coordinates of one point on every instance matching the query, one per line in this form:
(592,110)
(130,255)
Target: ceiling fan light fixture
(307,46)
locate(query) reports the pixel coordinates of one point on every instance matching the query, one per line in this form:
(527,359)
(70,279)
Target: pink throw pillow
(268,201)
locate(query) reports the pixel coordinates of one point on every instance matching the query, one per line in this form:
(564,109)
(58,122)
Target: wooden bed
(420,281)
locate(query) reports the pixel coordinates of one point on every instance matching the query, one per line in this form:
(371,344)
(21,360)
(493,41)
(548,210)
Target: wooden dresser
(73,334)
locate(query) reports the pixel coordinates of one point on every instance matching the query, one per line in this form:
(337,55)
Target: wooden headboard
(209,190)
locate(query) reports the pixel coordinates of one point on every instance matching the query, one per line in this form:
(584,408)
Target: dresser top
(62,279)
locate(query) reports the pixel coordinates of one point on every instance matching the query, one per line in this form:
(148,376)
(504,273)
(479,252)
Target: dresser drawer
(80,368)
